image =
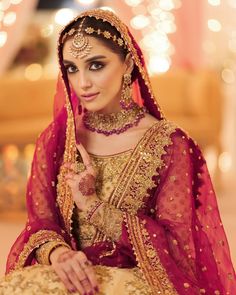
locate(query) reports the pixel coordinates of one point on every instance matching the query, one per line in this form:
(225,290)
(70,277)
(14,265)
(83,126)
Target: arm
(178,229)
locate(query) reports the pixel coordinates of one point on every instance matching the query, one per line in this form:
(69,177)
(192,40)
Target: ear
(129,64)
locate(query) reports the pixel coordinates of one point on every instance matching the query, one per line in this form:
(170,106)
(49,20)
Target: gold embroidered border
(147,257)
(64,195)
(145,162)
(123,30)
(43,252)
(35,241)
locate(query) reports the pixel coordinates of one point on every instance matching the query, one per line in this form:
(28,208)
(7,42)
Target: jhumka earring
(126,101)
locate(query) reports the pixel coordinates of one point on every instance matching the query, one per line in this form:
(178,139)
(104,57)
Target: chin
(92,107)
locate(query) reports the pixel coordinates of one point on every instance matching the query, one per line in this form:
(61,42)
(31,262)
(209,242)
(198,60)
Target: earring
(126,101)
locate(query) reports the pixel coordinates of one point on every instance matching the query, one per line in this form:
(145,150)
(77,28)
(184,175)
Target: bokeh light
(9,18)
(214,25)
(139,22)
(3,38)
(214,2)
(33,72)
(64,16)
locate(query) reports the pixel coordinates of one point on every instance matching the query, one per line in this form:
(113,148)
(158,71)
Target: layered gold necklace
(113,123)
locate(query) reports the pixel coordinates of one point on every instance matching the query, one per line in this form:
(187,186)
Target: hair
(103,26)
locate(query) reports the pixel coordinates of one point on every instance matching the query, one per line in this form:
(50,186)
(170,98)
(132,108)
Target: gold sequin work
(109,169)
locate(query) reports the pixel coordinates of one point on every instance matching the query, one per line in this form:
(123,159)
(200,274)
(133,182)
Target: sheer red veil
(206,262)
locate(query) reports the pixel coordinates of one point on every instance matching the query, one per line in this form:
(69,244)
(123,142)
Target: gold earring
(126,101)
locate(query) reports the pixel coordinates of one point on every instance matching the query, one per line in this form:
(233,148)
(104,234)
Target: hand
(75,270)
(82,183)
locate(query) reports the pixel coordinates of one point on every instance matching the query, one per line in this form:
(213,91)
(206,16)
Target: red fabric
(201,256)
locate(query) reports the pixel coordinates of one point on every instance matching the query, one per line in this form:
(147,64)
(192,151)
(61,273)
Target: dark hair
(103,26)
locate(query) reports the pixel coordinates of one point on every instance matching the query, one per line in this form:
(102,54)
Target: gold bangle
(44,251)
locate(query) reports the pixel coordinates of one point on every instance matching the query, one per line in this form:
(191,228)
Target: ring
(79,167)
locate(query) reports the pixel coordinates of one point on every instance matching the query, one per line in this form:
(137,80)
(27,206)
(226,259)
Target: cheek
(110,79)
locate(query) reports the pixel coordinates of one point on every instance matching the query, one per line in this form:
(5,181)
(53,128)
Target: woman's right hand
(75,270)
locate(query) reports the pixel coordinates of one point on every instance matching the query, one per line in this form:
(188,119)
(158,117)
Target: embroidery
(145,162)
(109,169)
(64,195)
(42,279)
(147,257)
(36,240)
(44,251)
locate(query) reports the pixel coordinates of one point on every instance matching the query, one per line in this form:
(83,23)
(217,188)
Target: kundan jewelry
(126,101)
(113,123)
(80,43)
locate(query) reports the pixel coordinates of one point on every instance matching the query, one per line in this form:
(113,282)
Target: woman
(119,199)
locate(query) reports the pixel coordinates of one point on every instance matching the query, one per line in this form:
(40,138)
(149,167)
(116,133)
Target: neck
(111,108)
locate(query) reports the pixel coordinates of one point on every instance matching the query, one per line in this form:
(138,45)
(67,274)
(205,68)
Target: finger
(72,277)
(89,271)
(81,276)
(85,263)
(63,277)
(85,156)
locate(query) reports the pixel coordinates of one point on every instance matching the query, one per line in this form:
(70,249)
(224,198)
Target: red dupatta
(180,244)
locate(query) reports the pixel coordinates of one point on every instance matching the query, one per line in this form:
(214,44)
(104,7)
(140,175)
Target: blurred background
(190,50)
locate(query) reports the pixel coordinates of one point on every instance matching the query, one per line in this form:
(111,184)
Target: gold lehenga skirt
(41,279)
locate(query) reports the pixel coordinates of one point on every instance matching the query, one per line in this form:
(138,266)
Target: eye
(96,65)
(71,69)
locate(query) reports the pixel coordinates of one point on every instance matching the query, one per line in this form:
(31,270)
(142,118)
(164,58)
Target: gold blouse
(109,169)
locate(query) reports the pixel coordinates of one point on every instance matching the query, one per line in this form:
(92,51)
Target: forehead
(97,45)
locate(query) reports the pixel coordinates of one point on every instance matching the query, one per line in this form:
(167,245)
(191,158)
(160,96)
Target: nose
(84,81)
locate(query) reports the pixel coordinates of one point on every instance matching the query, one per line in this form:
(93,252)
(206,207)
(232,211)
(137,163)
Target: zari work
(41,280)
(109,169)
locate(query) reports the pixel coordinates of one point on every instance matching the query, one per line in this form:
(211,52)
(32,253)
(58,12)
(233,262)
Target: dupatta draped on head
(50,205)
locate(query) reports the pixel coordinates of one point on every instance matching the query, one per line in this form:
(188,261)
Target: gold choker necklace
(113,123)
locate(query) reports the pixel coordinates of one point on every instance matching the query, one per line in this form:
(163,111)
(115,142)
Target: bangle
(92,209)
(44,251)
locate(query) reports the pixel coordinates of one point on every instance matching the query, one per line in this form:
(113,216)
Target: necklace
(113,123)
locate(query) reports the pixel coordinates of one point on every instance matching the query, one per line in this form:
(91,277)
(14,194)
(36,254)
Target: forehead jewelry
(80,43)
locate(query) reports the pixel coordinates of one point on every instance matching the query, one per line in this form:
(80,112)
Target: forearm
(47,251)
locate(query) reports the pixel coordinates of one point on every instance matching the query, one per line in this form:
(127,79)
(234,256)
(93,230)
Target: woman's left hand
(82,182)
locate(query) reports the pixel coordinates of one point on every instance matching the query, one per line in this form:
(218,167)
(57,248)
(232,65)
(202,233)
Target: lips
(89,96)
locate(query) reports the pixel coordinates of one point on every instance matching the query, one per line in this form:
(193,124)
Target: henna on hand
(86,185)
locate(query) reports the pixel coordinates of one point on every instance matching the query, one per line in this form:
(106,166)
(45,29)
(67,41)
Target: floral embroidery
(147,257)
(36,240)
(44,251)
(145,162)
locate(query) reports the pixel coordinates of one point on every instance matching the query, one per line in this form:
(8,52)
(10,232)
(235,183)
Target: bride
(119,200)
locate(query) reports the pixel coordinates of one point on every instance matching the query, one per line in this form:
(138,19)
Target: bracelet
(44,251)
(92,209)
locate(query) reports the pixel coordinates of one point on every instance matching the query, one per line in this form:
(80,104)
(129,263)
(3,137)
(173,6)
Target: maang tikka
(126,101)
(80,43)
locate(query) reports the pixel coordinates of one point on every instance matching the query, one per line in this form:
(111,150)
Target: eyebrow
(87,60)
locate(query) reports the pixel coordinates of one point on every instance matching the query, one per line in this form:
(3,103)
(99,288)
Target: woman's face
(96,78)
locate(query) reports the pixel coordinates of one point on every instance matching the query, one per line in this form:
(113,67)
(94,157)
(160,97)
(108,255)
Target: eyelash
(100,64)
